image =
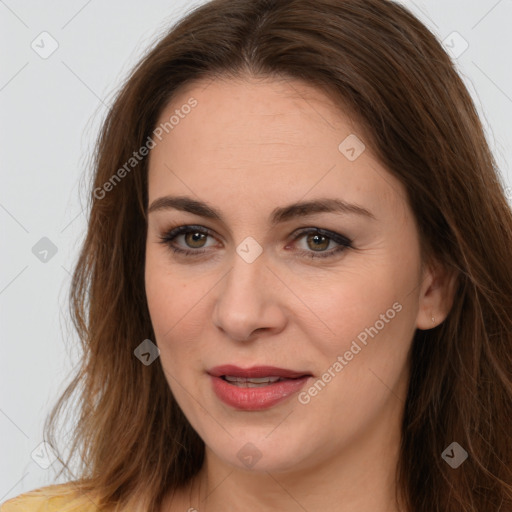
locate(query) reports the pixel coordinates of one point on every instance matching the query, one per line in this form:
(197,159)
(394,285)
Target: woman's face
(332,291)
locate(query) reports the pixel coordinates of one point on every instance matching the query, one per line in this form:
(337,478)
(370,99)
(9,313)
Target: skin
(249,146)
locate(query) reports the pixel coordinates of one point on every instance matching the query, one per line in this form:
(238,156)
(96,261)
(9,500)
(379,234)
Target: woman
(295,292)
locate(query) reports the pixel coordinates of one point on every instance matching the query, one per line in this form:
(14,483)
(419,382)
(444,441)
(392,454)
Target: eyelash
(344,242)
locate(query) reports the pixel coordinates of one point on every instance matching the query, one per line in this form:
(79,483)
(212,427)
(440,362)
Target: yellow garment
(53,498)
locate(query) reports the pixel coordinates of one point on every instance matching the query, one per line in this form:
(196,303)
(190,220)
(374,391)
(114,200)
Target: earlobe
(436,296)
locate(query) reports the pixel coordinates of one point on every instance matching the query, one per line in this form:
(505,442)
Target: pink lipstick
(255,388)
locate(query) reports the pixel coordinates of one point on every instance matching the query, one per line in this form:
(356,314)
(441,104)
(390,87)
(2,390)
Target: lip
(258,398)
(256,371)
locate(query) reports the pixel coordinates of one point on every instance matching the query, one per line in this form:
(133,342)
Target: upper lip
(256,371)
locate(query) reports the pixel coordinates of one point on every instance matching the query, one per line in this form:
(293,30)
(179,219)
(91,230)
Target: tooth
(252,380)
(260,380)
(233,379)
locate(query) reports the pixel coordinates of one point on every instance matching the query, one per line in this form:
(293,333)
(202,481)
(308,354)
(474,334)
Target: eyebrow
(278,215)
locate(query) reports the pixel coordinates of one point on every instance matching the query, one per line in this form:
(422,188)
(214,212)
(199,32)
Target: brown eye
(195,239)
(317,242)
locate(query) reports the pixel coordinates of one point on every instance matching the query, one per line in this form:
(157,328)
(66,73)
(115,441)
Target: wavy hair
(380,63)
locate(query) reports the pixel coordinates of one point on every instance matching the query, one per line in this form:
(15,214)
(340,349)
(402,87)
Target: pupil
(318,241)
(196,237)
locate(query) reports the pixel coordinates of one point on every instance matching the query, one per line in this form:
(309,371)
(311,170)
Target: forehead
(264,141)
(258,112)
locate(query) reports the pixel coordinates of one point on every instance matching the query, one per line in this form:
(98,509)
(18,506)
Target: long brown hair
(377,60)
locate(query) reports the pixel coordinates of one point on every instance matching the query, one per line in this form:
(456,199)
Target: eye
(194,237)
(318,240)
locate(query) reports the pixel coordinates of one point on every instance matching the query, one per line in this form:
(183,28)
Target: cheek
(156,289)
(367,315)
(167,293)
(163,293)
(354,298)
(176,309)
(364,363)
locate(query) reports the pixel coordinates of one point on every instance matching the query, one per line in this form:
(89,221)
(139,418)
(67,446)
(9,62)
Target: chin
(258,455)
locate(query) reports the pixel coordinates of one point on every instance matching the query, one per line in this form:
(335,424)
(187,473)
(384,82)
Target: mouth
(256,388)
(256,372)
(243,382)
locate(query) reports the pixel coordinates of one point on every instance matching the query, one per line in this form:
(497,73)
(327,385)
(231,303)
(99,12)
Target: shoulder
(53,498)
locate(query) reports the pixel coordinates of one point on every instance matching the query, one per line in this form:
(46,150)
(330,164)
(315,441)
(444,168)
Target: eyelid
(172,233)
(336,237)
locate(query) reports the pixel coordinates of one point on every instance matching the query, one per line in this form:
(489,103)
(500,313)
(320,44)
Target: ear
(436,295)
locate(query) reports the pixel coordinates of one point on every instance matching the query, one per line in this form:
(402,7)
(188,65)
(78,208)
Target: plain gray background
(51,109)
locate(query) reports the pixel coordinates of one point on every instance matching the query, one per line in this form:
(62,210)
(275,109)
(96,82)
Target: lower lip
(255,399)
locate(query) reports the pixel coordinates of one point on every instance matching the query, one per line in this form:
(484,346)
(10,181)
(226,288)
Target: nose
(249,300)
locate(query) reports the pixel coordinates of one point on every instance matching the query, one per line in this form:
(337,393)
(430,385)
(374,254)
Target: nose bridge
(243,290)
(246,301)
(248,269)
